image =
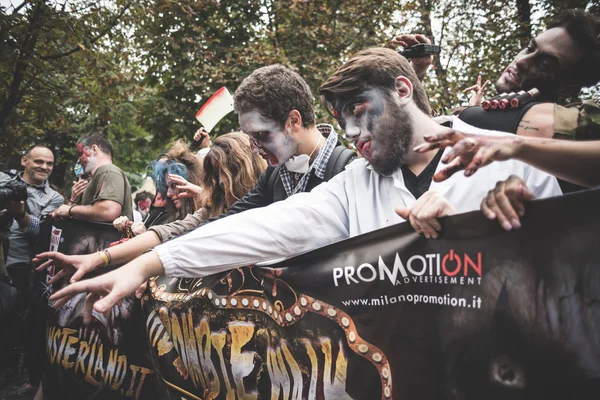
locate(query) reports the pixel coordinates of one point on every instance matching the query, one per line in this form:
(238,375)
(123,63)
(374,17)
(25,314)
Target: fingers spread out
(58,276)
(44,265)
(449,170)
(80,273)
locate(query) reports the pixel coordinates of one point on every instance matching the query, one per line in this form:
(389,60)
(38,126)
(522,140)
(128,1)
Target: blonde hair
(230,158)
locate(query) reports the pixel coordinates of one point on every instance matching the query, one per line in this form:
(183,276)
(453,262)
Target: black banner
(108,359)
(478,314)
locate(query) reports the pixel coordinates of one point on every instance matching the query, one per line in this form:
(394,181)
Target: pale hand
(122,223)
(424,214)
(186,189)
(61,212)
(420,64)
(506,202)
(469,152)
(76,265)
(78,189)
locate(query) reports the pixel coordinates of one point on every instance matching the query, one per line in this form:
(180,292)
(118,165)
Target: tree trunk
(524,21)
(440,72)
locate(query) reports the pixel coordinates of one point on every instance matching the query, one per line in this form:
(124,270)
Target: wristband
(104,257)
(70,208)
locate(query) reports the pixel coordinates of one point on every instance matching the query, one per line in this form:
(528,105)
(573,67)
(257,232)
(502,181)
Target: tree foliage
(138,70)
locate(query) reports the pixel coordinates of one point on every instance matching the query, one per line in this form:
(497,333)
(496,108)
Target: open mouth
(269,157)
(364,147)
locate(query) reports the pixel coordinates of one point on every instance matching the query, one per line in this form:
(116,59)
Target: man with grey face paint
(276,109)
(383,108)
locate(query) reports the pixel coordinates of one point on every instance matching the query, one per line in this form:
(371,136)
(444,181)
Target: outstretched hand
(469,152)
(106,290)
(76,265)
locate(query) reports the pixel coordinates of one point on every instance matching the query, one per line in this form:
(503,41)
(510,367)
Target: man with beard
(558,62)
(108,195)
(383,108)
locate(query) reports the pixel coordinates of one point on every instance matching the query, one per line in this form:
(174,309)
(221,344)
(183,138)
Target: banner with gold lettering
(478,314)
(108,359)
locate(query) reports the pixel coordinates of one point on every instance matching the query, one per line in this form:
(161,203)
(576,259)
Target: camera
(12,190)
(421,50)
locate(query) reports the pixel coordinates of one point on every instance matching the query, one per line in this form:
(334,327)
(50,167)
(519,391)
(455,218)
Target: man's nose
(352,131)
(524,62)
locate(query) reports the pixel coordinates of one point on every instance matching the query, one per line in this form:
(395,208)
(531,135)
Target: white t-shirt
(357,201)
(137,216)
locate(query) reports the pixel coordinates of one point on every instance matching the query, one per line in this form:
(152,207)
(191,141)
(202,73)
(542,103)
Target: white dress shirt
(358,200)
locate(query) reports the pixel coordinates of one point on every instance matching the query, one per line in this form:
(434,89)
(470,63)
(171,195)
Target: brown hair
(232,156)
(584,28)
(376,66)
(180,153)
(275,91)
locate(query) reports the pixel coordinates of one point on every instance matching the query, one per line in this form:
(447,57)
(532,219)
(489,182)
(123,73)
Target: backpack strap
(340,157)
(272,180)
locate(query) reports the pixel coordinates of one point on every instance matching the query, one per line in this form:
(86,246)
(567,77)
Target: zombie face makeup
(542,64)
(173,193)
(87,158)
(268,138)
(144,207)
(378,126)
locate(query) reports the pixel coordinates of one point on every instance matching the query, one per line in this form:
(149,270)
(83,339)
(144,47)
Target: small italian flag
(217,107)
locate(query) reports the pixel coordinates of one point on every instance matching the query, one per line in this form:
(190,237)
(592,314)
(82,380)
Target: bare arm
(100,211)
(576,162)
(79,265)
(133,248)
(538,121)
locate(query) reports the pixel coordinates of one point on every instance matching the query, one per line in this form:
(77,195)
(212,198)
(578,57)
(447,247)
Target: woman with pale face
(178,165)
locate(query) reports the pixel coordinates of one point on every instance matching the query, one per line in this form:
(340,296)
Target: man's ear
(294,121)
(23,160)
(404,89)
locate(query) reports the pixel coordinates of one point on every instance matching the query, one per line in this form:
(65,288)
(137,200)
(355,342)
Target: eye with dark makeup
(358,109)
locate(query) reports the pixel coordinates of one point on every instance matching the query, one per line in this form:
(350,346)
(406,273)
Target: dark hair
(376,66)
(98,139)
(275,91)
(181,161)
(35,146)
(584,28)
(143,195)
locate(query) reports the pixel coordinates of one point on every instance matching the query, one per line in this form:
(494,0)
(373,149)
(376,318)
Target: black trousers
(31,335)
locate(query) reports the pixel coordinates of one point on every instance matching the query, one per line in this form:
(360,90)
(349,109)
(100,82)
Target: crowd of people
(285,184)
